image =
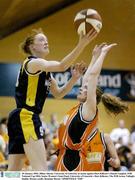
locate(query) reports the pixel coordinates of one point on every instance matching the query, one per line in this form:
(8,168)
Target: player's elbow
(62,67)
(61,94)
(58,95)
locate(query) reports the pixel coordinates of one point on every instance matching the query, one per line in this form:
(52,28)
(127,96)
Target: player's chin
(80,98)
(46,51)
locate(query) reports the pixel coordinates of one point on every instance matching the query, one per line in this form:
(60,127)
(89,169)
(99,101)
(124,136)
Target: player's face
(40,44)
(82,95)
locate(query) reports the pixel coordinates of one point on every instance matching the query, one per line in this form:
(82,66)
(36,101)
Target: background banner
(120,83)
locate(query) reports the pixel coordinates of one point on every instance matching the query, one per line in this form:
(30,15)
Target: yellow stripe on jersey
(32,90)
(27,125)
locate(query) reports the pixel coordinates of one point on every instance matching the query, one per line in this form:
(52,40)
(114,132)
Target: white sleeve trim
(103,140)
(27,72)
(80,112)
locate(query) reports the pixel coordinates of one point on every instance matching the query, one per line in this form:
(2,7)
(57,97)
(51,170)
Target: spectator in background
(53,123)
(125,157)
(132,134)
(132,167)
(4,135)
(55,139)
(51,162)
(2,150)
(3,129)
(132,144)
(2,146)
(120,133)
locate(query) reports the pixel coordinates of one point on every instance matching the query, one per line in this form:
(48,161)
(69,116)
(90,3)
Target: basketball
(87,19)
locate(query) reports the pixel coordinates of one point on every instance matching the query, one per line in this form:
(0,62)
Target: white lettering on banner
(62,78)
(79,82)
(110,81)
(130,78)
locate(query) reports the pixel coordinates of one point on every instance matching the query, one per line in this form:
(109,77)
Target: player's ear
(31,47)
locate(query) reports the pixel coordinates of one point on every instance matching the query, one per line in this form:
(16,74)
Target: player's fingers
(102,44)
(110,160)
(82,67)
(77,66)
(93,35)
(91,32)
(72,68)
(82,64)
(113,44)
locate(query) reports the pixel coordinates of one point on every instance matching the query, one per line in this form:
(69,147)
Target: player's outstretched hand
(78,70)
(87,38)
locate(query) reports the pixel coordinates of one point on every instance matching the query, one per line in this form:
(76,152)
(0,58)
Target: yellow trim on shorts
(27,125)
(32,90)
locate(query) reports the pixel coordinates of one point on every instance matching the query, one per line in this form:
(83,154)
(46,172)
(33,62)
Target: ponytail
(112,103)
(26,44)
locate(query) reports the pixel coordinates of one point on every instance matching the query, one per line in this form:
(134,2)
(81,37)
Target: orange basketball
(87,19)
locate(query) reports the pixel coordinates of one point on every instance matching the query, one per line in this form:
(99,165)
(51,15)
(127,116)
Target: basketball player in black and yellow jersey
(77,150)
(33,84)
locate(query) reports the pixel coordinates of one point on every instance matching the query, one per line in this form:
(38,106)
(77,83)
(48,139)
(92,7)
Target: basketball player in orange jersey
(77,152)
(32,87)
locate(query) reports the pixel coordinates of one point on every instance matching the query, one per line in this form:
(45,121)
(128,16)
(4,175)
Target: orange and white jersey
(94,152)
(72,136)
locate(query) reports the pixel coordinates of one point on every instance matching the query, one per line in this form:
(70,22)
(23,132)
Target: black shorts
(23,125)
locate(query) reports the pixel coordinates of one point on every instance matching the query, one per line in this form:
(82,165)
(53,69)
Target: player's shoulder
(30,65)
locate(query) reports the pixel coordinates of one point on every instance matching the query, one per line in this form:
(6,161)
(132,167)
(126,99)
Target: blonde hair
(111,103)
(25,45)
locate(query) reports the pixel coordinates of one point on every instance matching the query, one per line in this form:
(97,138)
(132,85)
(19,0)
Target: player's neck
(39,55)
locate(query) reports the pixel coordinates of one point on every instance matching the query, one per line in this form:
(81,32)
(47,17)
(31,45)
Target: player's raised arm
(95,54)
(40,64)
(76,72)
(89,106)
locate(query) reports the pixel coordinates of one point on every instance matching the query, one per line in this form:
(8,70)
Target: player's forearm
(68,60)
(66,88)
(96,68)
(93,74)
(87,73)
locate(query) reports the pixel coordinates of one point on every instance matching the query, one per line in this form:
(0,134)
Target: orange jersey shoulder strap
(62,132)
(85,135)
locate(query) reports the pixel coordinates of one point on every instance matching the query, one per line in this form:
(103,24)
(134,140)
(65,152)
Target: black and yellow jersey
(32,89)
